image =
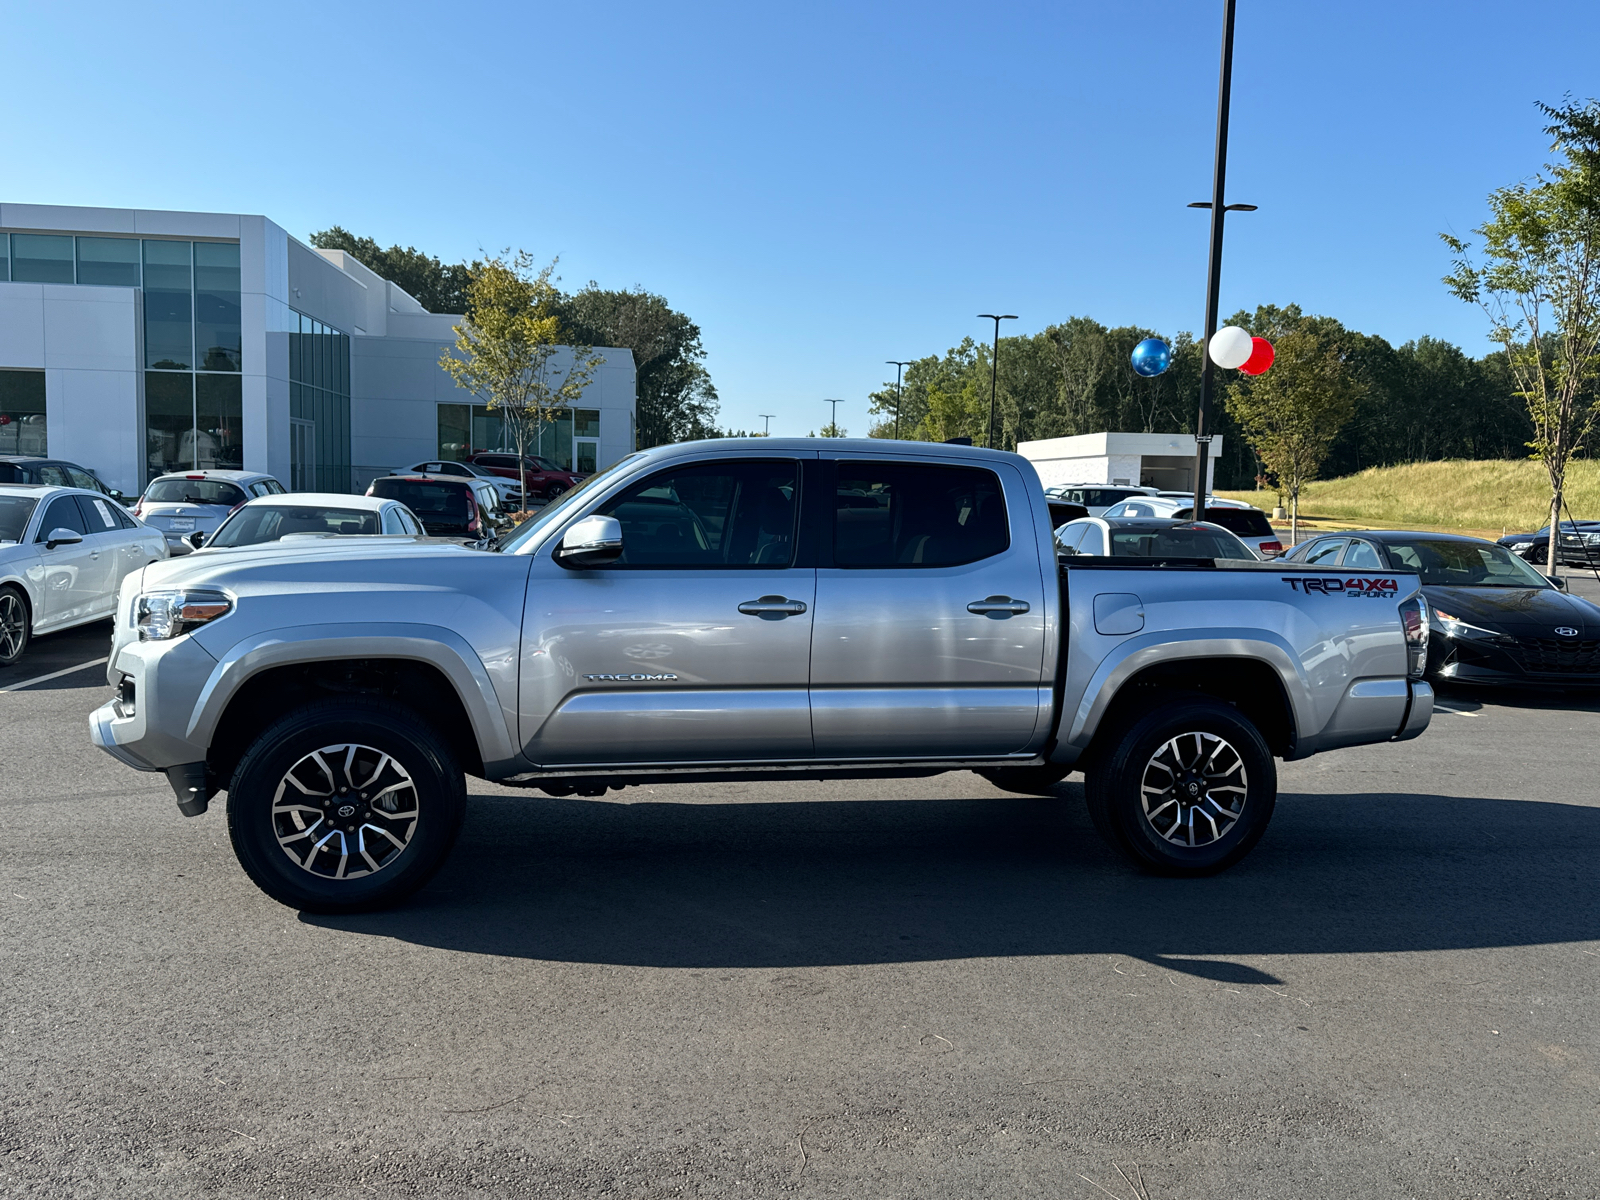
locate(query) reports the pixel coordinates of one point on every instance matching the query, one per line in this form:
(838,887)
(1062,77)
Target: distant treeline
(1420,401)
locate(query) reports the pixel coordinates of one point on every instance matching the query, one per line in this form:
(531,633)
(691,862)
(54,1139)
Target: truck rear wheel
(345,805)
(1186,789)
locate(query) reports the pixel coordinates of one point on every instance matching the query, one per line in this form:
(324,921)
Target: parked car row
(67,541)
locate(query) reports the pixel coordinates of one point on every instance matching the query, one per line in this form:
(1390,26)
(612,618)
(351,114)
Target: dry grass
(1484,497)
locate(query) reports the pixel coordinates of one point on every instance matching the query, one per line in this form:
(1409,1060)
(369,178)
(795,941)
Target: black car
(52,472)
(1579,546)
(1493,619)
(446,507)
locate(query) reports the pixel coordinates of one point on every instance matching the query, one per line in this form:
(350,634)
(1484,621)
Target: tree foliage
(439,287)
(509,346)
(676,399)
(1536,275)
(1293,413)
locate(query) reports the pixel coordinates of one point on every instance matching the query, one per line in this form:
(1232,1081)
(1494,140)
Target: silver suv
(187,502)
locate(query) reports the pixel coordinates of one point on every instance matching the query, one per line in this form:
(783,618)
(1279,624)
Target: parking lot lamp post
(766,429)
(1202,439)
(898,395)
(834,420)
(994,364)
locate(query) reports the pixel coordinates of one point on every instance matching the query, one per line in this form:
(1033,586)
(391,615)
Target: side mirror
(62,537)
(196,539)
(592,542)
(1558,583)
(117,496)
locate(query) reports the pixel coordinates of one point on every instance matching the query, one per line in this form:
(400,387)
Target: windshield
(14,514)
(1093,497)
(1177,541)
(1465,564)
(555,510)
(193,491)
(257,523)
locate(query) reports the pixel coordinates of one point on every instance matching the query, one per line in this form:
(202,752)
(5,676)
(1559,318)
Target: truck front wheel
(1186,789)
(345,805)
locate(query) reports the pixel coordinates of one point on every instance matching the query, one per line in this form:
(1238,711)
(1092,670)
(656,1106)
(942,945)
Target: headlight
(1456,627)
(161,616)
(1519,547)
(1591,539)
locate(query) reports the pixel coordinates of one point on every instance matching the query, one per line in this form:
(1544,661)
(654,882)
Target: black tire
(554,490)
(431,792)
(16,625)
(1026,781)
(1114,788)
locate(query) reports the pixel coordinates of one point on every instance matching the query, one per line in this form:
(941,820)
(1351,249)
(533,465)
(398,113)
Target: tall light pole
(994,363)
(1202,439)
(898,395)
(767,428)
(834,420)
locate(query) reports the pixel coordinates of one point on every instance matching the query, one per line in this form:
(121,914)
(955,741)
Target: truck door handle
(772,607)
(998,604)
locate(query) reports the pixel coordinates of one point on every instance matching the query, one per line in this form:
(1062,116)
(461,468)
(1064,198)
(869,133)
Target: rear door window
(1094,540)
(1362,556)
(55,476)
(1326,553)
(96,514)
(1069,537)
(915,515)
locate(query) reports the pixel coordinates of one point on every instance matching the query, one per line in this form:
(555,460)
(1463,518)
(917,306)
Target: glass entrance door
(585,455)
(302,456)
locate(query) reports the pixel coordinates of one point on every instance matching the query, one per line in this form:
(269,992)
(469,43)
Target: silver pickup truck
(739,610)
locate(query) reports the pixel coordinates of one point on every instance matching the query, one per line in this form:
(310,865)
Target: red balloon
(1260,357)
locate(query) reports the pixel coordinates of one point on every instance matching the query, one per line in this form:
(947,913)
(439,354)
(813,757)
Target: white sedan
(309,514)
(63,555)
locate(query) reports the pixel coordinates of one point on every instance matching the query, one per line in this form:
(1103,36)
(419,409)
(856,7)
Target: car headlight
(1456,627)
(161,616)
(1591,539)
(1519,547)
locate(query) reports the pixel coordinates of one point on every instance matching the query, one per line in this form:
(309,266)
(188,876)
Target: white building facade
(1160,460)
(136,342)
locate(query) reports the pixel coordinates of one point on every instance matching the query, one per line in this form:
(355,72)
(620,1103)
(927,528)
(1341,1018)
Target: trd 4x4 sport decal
(1326,585)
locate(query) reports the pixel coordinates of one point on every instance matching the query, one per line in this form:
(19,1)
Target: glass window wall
(168,306)
(108,261)
(218,339)
(5,256)
(41,258)
(471,429)
(319,394)
(168,422)
(219,421)
(22,413)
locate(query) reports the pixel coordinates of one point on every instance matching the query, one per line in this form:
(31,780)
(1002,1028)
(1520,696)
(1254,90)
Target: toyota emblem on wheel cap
(1566,631)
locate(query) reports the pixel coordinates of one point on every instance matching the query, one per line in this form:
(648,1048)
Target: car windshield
(257,523)
(1176,541)
(1465,564)
(14,514)
(557,509)
(194,491)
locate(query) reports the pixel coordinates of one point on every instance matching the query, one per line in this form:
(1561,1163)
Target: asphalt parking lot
(905,989)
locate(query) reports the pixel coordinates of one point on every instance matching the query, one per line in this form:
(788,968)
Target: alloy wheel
(345,812)
(13,626)
(1193,789)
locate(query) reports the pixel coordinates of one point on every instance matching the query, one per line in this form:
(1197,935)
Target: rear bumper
(1418,713)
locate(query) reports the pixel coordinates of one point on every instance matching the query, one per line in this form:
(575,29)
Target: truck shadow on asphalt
(803,883)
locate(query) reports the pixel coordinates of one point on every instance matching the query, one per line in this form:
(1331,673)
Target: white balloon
(1230,347)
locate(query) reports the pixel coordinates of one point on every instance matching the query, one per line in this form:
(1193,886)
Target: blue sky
(825,186)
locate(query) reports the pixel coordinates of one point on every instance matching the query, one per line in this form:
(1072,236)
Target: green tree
(439,287)
(1292,414)
(676,401)
(1539,285)
(506,348)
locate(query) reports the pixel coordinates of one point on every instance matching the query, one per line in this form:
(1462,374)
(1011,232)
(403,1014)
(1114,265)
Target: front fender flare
(1155,648)
(432,644)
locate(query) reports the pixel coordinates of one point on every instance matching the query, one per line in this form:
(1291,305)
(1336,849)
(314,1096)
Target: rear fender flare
(432,644)
(1156,648)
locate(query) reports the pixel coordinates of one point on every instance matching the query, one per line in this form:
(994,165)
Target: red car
(540,476)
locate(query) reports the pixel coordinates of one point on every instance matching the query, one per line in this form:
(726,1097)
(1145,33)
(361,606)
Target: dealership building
(137,342)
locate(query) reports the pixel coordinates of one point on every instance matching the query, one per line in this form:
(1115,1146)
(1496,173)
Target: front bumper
(146,726)
(1514,661)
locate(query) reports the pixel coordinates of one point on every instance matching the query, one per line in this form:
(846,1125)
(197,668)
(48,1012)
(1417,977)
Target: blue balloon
(1151,357)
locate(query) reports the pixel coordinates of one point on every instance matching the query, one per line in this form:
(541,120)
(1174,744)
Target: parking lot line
(12,687)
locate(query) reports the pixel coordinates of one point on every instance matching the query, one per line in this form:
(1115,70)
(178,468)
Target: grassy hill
(1480,497)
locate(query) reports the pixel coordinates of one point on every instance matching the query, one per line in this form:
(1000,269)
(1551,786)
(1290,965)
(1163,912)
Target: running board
(595,781)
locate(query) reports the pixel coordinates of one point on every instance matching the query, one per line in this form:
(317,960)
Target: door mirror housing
(1558,583)
(62,537)
(196,539)
(591,542)
(116,495)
